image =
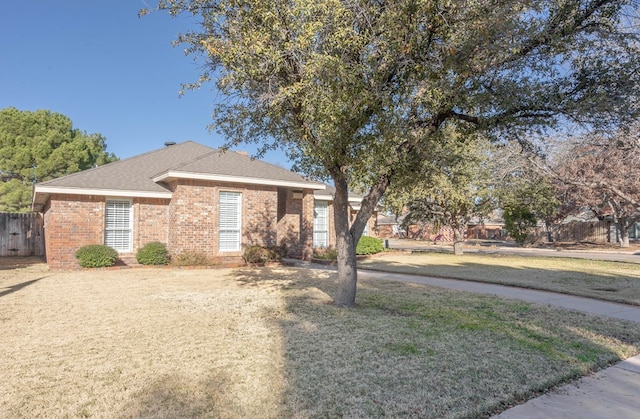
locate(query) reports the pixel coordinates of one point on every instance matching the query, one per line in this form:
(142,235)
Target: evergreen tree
(39,146)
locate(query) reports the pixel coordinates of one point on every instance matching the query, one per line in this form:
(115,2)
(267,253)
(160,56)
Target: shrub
(153,253)
(518,221)
(192,259)
(96,256)
(263,254)
(279,252)
(326,254)
(369,246)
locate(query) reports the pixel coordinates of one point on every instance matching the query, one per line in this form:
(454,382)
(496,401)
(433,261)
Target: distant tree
(524,194)
(601,172)
(518,221)
(356,91)
(527,201)
(448,189)
(38,146)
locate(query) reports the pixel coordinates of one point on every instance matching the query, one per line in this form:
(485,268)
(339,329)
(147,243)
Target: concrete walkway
(610,393)
(504,248)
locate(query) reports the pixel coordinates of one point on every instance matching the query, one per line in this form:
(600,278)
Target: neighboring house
(487,228)
(391,227)
(388,226)
(190,197)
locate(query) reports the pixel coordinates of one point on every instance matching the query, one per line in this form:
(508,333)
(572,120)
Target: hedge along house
(189,196)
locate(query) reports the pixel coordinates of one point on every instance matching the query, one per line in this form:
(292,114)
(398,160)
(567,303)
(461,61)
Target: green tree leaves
(39,146)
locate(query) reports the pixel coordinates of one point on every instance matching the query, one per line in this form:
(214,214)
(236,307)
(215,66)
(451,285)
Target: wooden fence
(21,234)
(585,231)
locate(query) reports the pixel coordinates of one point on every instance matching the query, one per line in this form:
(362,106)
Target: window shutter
(230,221)
(118,225)
(320,224)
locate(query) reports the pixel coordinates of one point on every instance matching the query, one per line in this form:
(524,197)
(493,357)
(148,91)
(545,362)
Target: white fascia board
(101,192)
(322,197)
(237,179)
(329,197)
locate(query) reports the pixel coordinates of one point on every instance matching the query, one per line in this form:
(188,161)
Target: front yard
(168,343)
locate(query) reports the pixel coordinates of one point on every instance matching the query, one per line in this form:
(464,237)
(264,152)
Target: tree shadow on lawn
(601,285)
(420,351)
(13,288)
(179,396)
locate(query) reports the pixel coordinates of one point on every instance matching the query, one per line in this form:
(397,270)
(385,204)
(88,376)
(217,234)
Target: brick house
(190,197)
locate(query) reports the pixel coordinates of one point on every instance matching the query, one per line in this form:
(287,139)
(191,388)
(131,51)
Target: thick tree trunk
(624,225)
(549,231)
(346,245)
(347,236)
(347,272)
(458,243)
(624,235)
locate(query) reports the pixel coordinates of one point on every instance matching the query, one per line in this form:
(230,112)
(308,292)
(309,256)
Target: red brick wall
(193,216)
(259,215)
(383,231)
(306,229)
(186,223)
(150,221)
(295,222)
(70,222)
(73,221)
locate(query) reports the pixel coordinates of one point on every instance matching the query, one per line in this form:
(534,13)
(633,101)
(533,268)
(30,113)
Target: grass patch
(267,343)
(414,350)
(604,280)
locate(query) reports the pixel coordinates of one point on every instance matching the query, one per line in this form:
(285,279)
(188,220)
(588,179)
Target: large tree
(38,146)
(356,89)
(601,172)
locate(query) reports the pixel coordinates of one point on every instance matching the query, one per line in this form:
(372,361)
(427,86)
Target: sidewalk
(610,254)
(610,393)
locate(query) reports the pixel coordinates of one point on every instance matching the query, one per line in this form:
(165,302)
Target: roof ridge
(120,161)
(237,154)
(200,157)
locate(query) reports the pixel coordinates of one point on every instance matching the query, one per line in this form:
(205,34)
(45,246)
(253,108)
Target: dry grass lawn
(167,343)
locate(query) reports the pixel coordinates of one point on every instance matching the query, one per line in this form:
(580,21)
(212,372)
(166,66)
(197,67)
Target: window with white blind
(320,224)
(118,230)
(230,221)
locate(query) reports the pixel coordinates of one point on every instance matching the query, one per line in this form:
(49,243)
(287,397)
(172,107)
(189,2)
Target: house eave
(172,175)
(329,197)
(42,193)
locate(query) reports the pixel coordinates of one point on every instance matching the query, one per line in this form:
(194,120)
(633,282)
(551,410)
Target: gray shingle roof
(136,173)
(237,165)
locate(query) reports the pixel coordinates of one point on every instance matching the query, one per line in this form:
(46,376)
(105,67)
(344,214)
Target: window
(230,221)
(320,224)
(118,225)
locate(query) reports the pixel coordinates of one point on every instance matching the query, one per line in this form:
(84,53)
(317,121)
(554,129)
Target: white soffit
(237,179)
(101,192)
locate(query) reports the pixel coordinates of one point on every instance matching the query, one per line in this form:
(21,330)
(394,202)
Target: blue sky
(109,71)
